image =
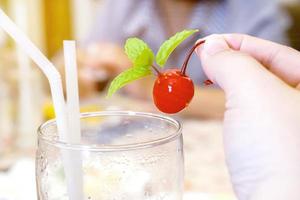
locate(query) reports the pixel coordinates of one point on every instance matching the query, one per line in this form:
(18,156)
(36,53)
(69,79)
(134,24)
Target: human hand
(106,57)
(102,61)
(262,118)
(99,62)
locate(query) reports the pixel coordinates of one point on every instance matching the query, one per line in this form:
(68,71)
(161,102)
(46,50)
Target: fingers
(281,60)
(107,57)
(233,70)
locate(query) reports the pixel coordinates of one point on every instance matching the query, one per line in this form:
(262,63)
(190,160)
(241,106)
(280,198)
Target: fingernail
(214,46)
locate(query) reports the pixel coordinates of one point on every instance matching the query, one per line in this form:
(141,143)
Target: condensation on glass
(123,156)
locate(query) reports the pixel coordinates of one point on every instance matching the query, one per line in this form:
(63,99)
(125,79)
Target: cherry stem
(208,82)
(187,58)
(156,70)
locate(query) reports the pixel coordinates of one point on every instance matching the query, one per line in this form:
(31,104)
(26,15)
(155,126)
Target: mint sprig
(126,77)
(170,45)
(139,52)
(142,58)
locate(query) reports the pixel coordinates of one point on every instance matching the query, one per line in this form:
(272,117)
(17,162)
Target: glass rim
(121,147)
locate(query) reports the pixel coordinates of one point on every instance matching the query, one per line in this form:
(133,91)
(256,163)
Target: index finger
(281,60)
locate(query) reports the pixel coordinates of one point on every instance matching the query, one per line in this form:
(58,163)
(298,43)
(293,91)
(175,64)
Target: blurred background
(100,28)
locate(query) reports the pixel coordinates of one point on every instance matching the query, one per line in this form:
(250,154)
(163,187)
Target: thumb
(232,70)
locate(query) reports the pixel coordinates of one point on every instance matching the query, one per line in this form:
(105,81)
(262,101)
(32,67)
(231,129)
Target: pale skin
(261,80)
(210,98)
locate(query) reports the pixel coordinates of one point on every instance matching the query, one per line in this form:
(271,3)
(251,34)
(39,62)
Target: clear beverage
(124,156)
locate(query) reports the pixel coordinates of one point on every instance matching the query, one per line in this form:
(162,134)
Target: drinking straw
(45,65)
(53,77)
(73,116)
(73,110)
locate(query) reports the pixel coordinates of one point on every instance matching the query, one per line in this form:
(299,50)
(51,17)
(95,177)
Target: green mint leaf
(128,76)
(168,46)
(139,52)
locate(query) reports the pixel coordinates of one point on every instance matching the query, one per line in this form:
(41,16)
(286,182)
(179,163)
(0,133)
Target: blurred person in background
(156,20)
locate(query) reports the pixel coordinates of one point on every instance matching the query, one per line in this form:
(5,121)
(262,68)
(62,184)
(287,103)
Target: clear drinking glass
(124,156)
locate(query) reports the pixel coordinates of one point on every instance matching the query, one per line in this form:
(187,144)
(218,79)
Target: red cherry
(172,91)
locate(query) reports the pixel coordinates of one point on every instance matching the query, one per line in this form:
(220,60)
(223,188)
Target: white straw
(73,109)
(51,73)
(45,65)
(73,116)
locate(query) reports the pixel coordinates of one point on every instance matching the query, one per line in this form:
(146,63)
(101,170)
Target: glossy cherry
(173,90)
